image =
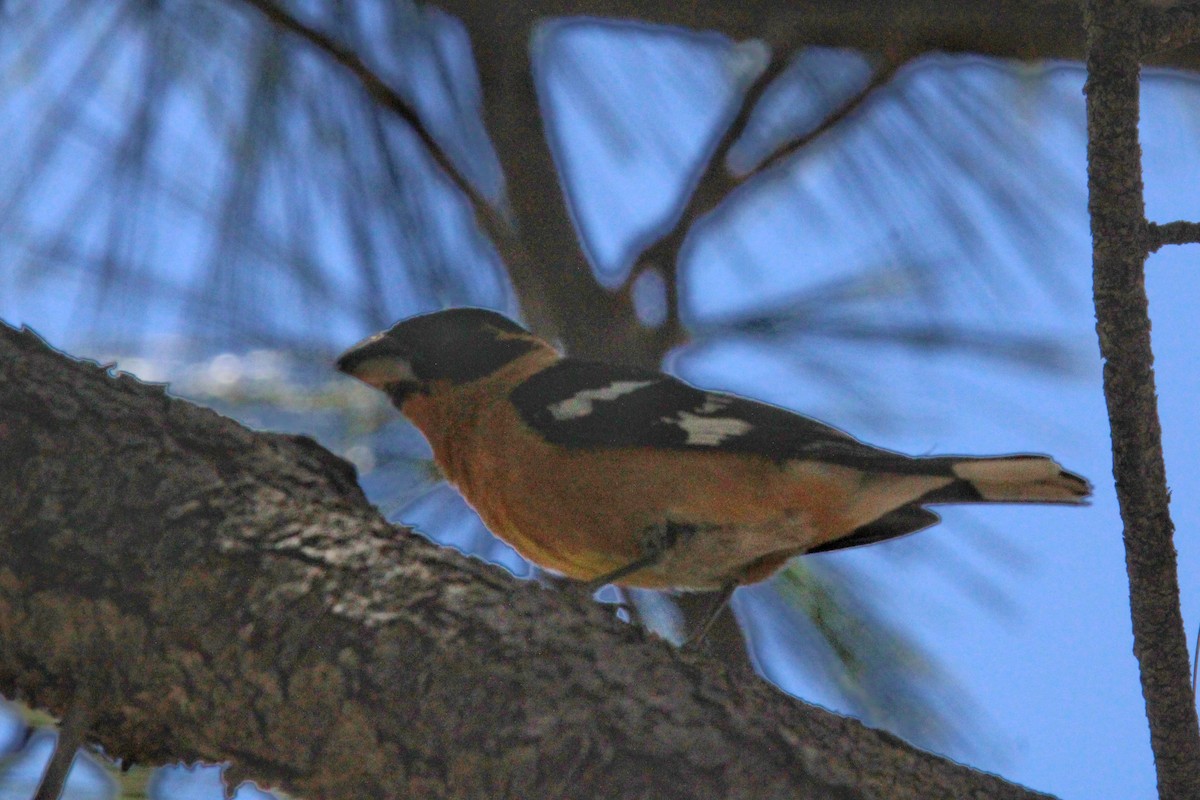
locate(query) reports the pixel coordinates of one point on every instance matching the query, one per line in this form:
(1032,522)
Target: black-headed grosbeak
(611,474)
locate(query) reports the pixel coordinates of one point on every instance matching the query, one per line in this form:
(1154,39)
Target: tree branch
(1179,232)
(559,293)
(71,733)
(1122,321)
(711,187)
(536,239)
(492,221)
(1006,28)
(882,75)
(717,181)
(1170,28)
(255,609)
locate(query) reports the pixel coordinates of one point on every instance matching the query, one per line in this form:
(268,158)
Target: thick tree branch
(1179,232)
(1004,28)
(1016,29)
(1170,28)
(559,293)
(250,606)
(1123,324)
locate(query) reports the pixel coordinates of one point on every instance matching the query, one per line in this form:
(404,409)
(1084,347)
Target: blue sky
(1050,669)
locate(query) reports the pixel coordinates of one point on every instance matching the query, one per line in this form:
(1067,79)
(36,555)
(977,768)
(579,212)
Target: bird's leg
(720,601)
(72,732)
(655,541)
(626,603)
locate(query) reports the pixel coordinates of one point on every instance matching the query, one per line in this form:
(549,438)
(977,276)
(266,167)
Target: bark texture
(228,595)
(1120,244)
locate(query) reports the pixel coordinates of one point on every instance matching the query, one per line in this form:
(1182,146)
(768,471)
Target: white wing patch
(709,430)
(703,429)
(712,404)
(582,403)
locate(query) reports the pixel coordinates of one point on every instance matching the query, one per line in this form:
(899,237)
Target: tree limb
(550,271)
(1179,232)
(882,75)
(1170,28)
(712,185)
(492,221)
(1004,28)
(71,734)
(717,181)
(535,238)
(254,608)
(1117,210)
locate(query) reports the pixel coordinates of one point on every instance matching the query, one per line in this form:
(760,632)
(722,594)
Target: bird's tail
(896,505)
(1010,479)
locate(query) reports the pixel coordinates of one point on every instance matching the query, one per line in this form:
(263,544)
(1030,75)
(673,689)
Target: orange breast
(584,513)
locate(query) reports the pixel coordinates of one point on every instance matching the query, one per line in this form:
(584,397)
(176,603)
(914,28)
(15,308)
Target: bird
(613,474)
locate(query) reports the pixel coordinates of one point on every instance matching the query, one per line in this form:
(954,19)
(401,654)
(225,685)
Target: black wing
(894,524)
(588,404)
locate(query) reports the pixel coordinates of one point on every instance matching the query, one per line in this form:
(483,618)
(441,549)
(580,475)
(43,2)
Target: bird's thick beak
(378,361)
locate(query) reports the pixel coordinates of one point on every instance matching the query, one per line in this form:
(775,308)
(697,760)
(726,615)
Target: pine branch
(711,187)
(882,75)
(491,219)
(718,181)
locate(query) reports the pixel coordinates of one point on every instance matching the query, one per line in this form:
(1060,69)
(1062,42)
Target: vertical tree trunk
(1123,325)
(549,268)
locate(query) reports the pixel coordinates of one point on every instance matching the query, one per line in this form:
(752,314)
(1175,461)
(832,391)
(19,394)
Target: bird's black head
(457,345)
